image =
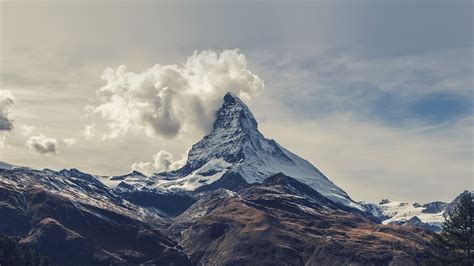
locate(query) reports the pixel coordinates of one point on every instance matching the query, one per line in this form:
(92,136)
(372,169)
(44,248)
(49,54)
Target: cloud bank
(162,161)
(42,144)
(6,102)
(165,100)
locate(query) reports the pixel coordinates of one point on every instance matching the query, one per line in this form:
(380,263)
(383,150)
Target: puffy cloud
(42,144)
(165,100)
(6,102)
(70,141)
(162,161)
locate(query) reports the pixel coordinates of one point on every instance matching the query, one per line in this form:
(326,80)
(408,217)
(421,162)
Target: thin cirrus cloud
(42,144)
(430,88)
(6,102)
(165,100)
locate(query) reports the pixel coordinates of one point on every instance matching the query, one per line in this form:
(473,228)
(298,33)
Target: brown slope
(268,225)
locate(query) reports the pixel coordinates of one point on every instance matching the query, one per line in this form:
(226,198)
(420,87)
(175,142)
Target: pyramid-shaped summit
(235,152)
(234,137)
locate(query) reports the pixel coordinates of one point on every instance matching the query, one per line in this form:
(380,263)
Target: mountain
(429,215)
(14,253)
(239,199)
(285,222)
(451,206)
(4,165)
(72,218)
(236,154)
(416,222)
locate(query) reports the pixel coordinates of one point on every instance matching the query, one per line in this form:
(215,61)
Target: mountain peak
(234,127)
(235,115)
(235,148)
(230,97)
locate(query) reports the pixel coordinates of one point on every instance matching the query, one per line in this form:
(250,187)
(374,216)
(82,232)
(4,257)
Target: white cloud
(6,102)
(162,161)
(26,130)
(166,100)
(89,132)
(70,141)
(42,144)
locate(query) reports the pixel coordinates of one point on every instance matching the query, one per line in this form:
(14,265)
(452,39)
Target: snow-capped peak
(235,147)
(234,126)
(235,115)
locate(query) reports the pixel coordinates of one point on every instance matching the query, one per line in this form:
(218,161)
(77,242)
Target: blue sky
(377,94)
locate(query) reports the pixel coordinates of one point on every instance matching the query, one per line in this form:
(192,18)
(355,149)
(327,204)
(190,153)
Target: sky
(376,94)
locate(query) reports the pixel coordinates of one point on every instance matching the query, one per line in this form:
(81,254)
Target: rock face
(453,205)
(434,207)
(14,253)
(278,223)
(73,219)
(236,154)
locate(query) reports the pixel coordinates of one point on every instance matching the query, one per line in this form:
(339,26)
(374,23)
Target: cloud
(42,144)
(26,130)
(431,87)
(70,141)
(167,99)
(6,102)
(162,161)
(89,132)
(3,141)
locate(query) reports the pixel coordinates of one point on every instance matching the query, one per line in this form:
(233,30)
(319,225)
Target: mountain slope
(236,152)
(284,222)
(453,205)
(73,219)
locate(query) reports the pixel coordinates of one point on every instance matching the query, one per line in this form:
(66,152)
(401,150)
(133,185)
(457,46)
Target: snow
(195,179)
(79,188)
(399,211)
(235,144)
(108,182)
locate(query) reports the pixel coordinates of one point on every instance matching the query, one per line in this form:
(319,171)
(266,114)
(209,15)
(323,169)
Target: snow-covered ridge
(432,214)
(80,188)
(401,212)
